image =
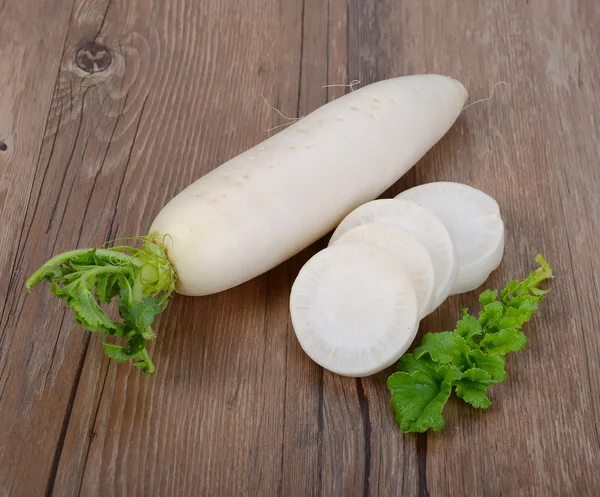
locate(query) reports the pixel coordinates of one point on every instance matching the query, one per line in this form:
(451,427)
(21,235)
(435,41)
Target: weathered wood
(108,108)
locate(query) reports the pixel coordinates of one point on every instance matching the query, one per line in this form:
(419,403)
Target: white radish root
(270,202)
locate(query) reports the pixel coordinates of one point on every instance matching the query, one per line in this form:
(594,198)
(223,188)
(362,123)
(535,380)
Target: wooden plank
(529,148)
(29,63)
(93,123)
(236,407)
(215,409)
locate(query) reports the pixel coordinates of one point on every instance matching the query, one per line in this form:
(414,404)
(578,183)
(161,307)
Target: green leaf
(505,295)
(468,327)
(88,313)
(140,314)
(492,364)
(508,321)
(504,341)
(490,314)
(472,388)
(115,352)
(408,363)
(443,348)
(487,297)
(85,260)
(107,287)
(419,398)
(135,344)
(142,278)
(123,354)
(471,358)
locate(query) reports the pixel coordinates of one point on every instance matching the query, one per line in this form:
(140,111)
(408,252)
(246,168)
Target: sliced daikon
(420,223)
(354,309)
(414,256)
(474,222)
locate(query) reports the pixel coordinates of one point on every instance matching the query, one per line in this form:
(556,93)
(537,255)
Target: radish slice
(420,223)
(474,222)
(354,309)
(414,256)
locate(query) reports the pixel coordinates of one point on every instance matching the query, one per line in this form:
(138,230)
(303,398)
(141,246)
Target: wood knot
(93,57)
(3,147)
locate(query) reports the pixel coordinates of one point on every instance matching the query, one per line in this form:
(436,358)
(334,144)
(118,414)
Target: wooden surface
(236,408)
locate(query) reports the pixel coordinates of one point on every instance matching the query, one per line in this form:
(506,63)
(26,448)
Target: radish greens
(142,279)
(469,359)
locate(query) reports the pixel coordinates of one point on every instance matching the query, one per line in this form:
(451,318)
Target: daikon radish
(260,208)
(354,309)
(412,253)
(474,222)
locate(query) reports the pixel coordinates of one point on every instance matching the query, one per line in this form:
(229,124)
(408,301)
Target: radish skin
(267,204)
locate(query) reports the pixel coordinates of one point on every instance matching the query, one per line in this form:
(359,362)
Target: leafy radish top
(143,279)
(469,359)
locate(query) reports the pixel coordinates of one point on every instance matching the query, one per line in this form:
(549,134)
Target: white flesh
(474,222)
(354,309)
(420,223)
(412,253)
(269,203)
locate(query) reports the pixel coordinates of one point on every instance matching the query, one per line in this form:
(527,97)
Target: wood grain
(236,407)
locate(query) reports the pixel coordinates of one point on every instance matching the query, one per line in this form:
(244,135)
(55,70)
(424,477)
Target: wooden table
(108,108)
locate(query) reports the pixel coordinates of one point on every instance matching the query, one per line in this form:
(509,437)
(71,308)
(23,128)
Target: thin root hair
(351,85)
(488,98)
(280,125)
(278,111)
(138,238)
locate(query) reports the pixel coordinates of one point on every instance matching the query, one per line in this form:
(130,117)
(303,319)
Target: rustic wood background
(94,143)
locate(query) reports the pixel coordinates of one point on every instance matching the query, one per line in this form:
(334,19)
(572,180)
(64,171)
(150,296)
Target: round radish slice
(474,222)
(420,223)
(354,309)
(414,256)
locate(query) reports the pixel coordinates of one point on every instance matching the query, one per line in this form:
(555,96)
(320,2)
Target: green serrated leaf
(142,278)
(493,365)
(107,287)
(140,314)
(78,294)
(135,344)
(487,297)
(468,327)
(471,358)
(143,362)
(472,388)
(505,295)
(491,313)
(115,352)
(419,398)
(444,348)
(86,259)
(408,363)
(503,342)
(509,321)
(539,292)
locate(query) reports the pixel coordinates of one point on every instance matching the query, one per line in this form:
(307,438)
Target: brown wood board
(93,143)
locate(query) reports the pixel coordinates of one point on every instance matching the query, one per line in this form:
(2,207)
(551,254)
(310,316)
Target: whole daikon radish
(260,208)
